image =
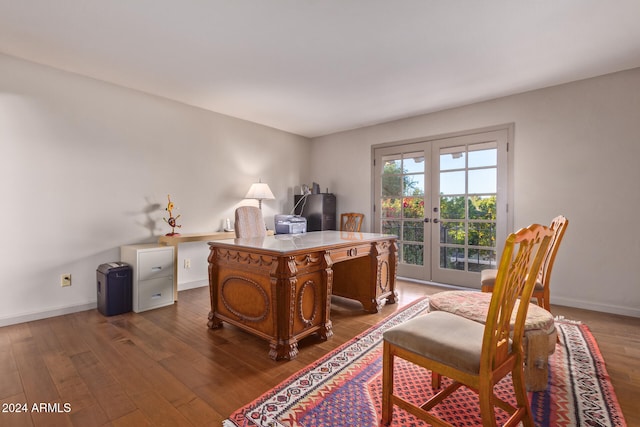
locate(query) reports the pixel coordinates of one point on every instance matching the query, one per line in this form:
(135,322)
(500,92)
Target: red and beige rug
(344,387)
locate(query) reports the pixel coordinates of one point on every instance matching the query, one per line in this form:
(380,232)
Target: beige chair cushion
(475,305)
(488,279)
(443,337)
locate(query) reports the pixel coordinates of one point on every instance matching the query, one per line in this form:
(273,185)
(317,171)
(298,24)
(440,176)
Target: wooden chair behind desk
(351,221)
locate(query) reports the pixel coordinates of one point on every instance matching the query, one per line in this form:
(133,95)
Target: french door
(446,199)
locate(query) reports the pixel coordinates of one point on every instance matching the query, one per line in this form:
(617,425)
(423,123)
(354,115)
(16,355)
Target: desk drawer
(155,263)
(154,293)
(350,252)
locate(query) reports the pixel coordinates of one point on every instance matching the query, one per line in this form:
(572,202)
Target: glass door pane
(467,180)
(402,206)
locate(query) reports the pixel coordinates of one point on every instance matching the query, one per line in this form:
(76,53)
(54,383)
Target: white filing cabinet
(152,274)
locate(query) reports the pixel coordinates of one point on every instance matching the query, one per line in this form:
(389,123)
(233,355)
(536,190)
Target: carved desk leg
(300,284)
(326,331)
(383,265)
(283,351)
(393,269)
(213,322)
(284,281)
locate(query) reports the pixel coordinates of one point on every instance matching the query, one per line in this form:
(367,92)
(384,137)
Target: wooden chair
(249,222)
(472,354)
(541,291)
(540,333)
(351,221)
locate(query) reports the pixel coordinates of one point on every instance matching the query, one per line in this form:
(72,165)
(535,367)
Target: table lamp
(259,191)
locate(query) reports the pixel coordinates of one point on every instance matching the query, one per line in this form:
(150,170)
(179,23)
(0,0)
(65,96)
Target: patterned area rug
(344,387)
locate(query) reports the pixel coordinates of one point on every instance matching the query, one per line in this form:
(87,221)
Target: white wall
(87,166)
(577,149)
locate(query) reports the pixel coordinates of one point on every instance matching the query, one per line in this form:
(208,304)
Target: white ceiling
(314,67)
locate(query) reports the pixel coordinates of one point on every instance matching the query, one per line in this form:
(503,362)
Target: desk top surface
(284,243)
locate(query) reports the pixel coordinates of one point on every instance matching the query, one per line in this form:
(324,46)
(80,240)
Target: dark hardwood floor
(164,367)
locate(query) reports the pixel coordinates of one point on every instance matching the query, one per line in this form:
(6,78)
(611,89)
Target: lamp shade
(259,191)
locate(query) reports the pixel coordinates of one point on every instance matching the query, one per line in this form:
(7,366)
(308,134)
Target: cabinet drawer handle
(156,268)
(156,295)
(352,252)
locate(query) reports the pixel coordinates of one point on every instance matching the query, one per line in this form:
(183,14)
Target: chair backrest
(558,226)
(523,253)
(249,222)
(351,221)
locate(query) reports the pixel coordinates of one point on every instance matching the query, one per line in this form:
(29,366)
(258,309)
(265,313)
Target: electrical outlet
(187,263)
(65,279)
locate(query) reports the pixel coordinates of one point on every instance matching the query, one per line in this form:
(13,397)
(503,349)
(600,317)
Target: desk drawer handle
(352,252)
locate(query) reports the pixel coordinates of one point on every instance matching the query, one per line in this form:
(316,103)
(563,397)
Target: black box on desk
(114,288)
(318,209)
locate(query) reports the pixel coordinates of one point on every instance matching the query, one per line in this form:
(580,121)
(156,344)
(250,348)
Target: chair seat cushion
(475,305)
(488,279)
(443,337)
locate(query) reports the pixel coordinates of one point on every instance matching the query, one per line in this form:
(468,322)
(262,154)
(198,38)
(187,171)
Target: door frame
(509,214)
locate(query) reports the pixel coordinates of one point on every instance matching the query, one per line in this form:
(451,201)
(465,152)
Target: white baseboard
(596,306)
(6,321)
(29,317)
(192,285)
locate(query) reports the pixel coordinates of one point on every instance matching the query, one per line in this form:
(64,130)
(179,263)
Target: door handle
(426,220)
(436,220)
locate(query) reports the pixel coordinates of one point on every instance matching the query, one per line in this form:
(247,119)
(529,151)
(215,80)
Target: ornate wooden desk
(279,287)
